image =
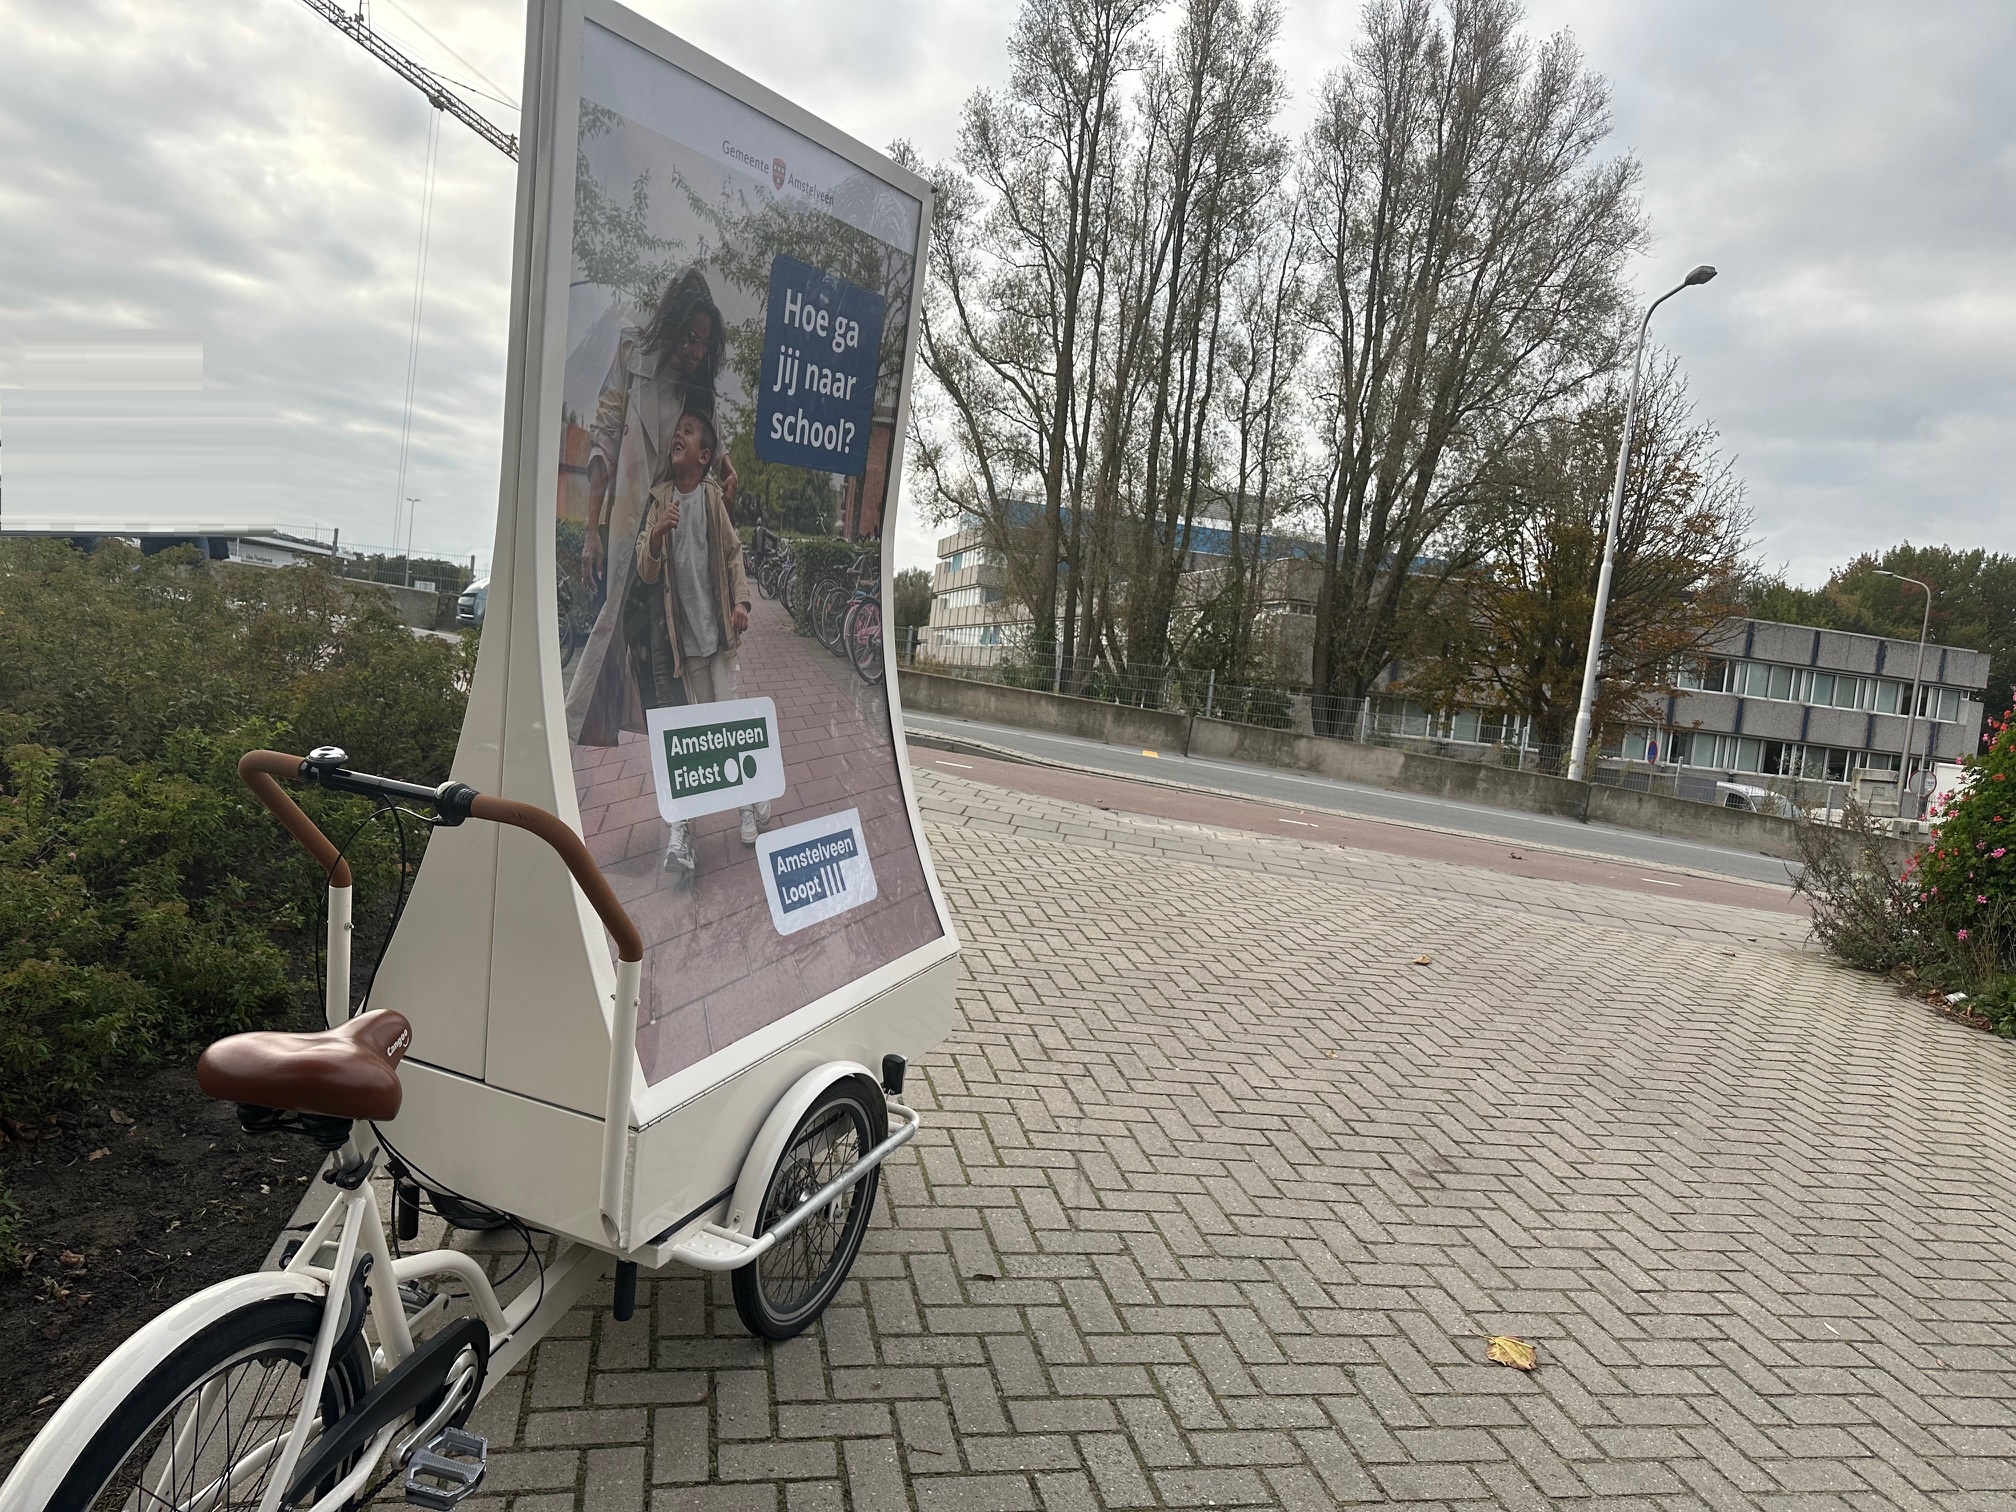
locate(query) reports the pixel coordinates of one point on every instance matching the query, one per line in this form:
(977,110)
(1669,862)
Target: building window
(1767,758)
(970,635)
(1822,690)
(965,598)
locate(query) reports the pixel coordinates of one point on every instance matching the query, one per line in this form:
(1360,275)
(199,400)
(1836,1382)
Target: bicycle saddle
(351,1071)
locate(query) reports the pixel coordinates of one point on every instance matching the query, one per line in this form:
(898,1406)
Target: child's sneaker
(679,848)
(753,819)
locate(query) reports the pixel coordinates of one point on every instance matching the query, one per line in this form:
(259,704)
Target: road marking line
(1303,822)
(964,766)
(1661,883)
(1151,753)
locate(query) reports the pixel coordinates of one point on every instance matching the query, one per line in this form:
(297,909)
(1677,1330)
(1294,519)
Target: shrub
(1860,899)
(1948,914)
(1962,885)
(148,903)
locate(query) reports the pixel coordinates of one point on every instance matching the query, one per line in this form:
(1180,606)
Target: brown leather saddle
(351,1071)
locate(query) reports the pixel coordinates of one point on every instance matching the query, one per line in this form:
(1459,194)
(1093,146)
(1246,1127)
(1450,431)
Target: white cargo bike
(499,1070)
(270,1391)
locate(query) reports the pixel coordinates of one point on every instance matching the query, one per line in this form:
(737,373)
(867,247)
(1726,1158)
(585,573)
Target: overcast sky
(241,171)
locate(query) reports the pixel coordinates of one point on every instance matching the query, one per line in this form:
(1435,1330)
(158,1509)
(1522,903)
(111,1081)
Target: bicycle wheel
(203,1429)
(828,604)
(864,638)
(782,1291)
(766,578)
(575,620)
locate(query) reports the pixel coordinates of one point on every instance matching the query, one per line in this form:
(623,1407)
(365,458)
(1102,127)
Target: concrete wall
(1735,829)
(1348,761)
(1116,724)
(1345,760)
(421,610)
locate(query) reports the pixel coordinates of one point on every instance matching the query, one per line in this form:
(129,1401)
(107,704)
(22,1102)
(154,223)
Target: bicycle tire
(782,1292)
(278,1329)
(863,638)
(826,610)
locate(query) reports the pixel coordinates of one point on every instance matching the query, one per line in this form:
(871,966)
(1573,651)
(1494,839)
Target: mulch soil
(131,1200)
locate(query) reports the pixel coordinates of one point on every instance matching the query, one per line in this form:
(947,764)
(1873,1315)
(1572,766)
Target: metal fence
(1459,735)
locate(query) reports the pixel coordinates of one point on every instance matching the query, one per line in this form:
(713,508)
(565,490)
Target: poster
(736,329)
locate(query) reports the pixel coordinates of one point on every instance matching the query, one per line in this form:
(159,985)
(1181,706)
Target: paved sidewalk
(1220,1192)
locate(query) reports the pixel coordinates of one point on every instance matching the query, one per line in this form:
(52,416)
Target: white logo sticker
(814,870)
(714,756)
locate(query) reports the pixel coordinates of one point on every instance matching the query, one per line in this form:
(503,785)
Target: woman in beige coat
(660,371)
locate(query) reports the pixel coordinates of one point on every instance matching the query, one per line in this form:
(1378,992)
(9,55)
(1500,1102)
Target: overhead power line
(430,84)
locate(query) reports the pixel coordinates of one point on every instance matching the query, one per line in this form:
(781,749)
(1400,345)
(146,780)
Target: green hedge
(816,557)
(148,903)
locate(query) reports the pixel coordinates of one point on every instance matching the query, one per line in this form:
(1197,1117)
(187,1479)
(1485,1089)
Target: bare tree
(1011,333)
(1262,357)
(1471,244)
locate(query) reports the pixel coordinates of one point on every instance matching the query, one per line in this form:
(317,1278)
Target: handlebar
(453,802)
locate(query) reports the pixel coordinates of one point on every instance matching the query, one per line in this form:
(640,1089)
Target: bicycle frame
(355,1226)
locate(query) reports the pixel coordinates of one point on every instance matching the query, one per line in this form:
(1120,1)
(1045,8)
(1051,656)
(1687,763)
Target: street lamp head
(1914,582)
(1700,275)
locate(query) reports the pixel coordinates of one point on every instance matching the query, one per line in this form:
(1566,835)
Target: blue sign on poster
(822,342)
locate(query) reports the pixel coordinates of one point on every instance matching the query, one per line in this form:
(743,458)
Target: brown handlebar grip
(259,769)
(554,831)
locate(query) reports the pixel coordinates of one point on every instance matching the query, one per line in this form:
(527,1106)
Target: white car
(475,599)
(1741,795)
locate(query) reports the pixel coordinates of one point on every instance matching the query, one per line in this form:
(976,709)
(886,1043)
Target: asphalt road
(1412,809)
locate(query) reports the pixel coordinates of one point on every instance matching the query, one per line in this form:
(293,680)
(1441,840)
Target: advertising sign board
(738,323)
(715,298)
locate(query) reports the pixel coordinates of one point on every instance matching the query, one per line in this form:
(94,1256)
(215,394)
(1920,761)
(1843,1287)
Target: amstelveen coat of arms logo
(777,172)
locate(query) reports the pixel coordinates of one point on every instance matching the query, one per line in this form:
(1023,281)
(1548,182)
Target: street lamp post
(409,540)
(1917,682)
(1578,752)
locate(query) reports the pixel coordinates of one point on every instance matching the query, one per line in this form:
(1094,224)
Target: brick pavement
(1220,1193)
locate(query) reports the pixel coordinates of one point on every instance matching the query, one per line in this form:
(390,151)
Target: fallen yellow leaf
(1506,1350)
(1422,961)
(98,1154)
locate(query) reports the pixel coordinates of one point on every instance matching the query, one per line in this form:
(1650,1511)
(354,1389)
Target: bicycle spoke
(218,1448)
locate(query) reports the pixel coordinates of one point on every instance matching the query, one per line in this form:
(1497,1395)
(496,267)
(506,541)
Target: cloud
(245,172)
(1849,171)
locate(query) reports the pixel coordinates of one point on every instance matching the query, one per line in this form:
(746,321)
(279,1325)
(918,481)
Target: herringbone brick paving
(1220,1193)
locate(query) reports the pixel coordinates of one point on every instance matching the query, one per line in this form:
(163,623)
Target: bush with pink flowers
(1947,917)
(1962,885)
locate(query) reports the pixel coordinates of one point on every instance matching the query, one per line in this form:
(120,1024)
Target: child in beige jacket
(689,548)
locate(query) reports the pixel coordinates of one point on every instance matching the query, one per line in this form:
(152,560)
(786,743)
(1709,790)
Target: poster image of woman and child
(660,544)
(691,212)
